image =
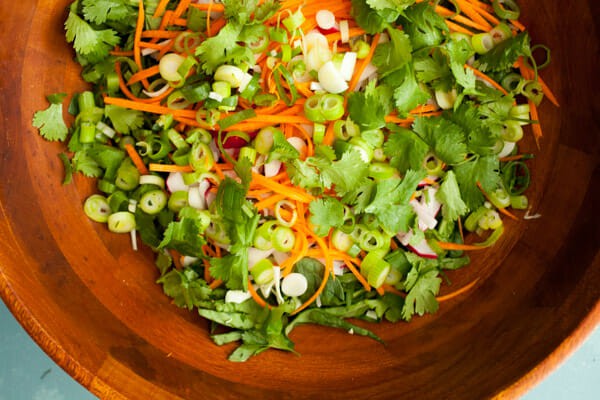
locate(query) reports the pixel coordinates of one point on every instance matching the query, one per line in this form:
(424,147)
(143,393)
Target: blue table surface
(27,373)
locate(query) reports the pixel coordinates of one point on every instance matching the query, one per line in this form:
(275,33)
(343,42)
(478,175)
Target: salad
(294,162)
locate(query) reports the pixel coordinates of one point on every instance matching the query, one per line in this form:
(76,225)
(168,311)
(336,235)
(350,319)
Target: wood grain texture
(93,306)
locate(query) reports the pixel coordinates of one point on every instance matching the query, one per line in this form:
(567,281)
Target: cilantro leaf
(446,139)
(326,213)
(424,26)
(459,51)
(368,18)
(407,93)
(423,285)
(396,5)
(393,55)
(448,194)
(404,149)
(484,169)
(223,48)
(88,41)
(369,108)
(50,121)
(303,174)
(347,173)
(100,11)
(183,236)
(503,56)
(185,287)
(84,163)
(433,69)
(282,149)
(390,203)
(124,120)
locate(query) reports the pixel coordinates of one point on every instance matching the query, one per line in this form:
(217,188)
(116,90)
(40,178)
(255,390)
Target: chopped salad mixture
(296,161)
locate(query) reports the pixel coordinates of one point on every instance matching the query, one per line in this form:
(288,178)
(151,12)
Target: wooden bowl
(92,303)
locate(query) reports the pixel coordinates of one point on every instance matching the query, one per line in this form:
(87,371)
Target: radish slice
(426,220)
(348,65)
(316,57)
(422,249)
(272,168)
(339,267)
(196,199)
(280,256)
(175,182)
(294,285)
(188,260)
(325,19)
(314,39)
(331,79)
(277,279)
(299,144)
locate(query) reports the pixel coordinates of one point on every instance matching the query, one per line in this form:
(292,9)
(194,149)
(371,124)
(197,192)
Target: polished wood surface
(91,303)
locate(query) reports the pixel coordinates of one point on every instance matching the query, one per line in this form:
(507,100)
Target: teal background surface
(27,373)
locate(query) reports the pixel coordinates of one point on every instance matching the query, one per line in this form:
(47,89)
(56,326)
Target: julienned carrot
(143,74)
(458,292)
(535,127)
(216,7)
(328,270)
(160,34)
(548,92)
(215,284)
(358,275)
(169,168)
(269,201)
(137,160)
(472,13)
(458,28)
(486,78)
(181,8)
(259,300)
(486,14)
(459,246)
(518,25)
(132,98)
(352,32)
(365,61)
(151,108)
(444,12)
(160,8)
(292,192)
(390,289)
(139,27)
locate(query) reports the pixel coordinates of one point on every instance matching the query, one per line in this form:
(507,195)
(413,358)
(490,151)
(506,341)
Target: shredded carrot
(259,300)
(215,284)
(291,192)
(160,8)
(518,25)
(365,61)
(458,28)
(390,289)
(459,246)
(458,292)
(380,290)
(472,13)
(536,127)
(139,27)
(143,74)
(181,7)
(137,160)
(169,168)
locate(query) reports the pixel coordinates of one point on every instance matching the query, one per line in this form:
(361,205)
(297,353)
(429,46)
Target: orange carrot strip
(292,192)
(457,292)
(160,8)
(458,28)
(518,25)
(139,27)
(536,127)
(122,53)
(548,93)
(472,13)
(169,168)
(352,32)
(143,74)
(259,300)
(380,290)
(487,15)
(269,201)
(459,246)
(151,108)
(486,78)
(391,289)
(358,275)
(137,160)
(216,7)
(181,7)
(215,284)
(160,34)
(365,61)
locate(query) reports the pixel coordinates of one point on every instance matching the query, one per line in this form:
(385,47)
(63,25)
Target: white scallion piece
(294,285)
